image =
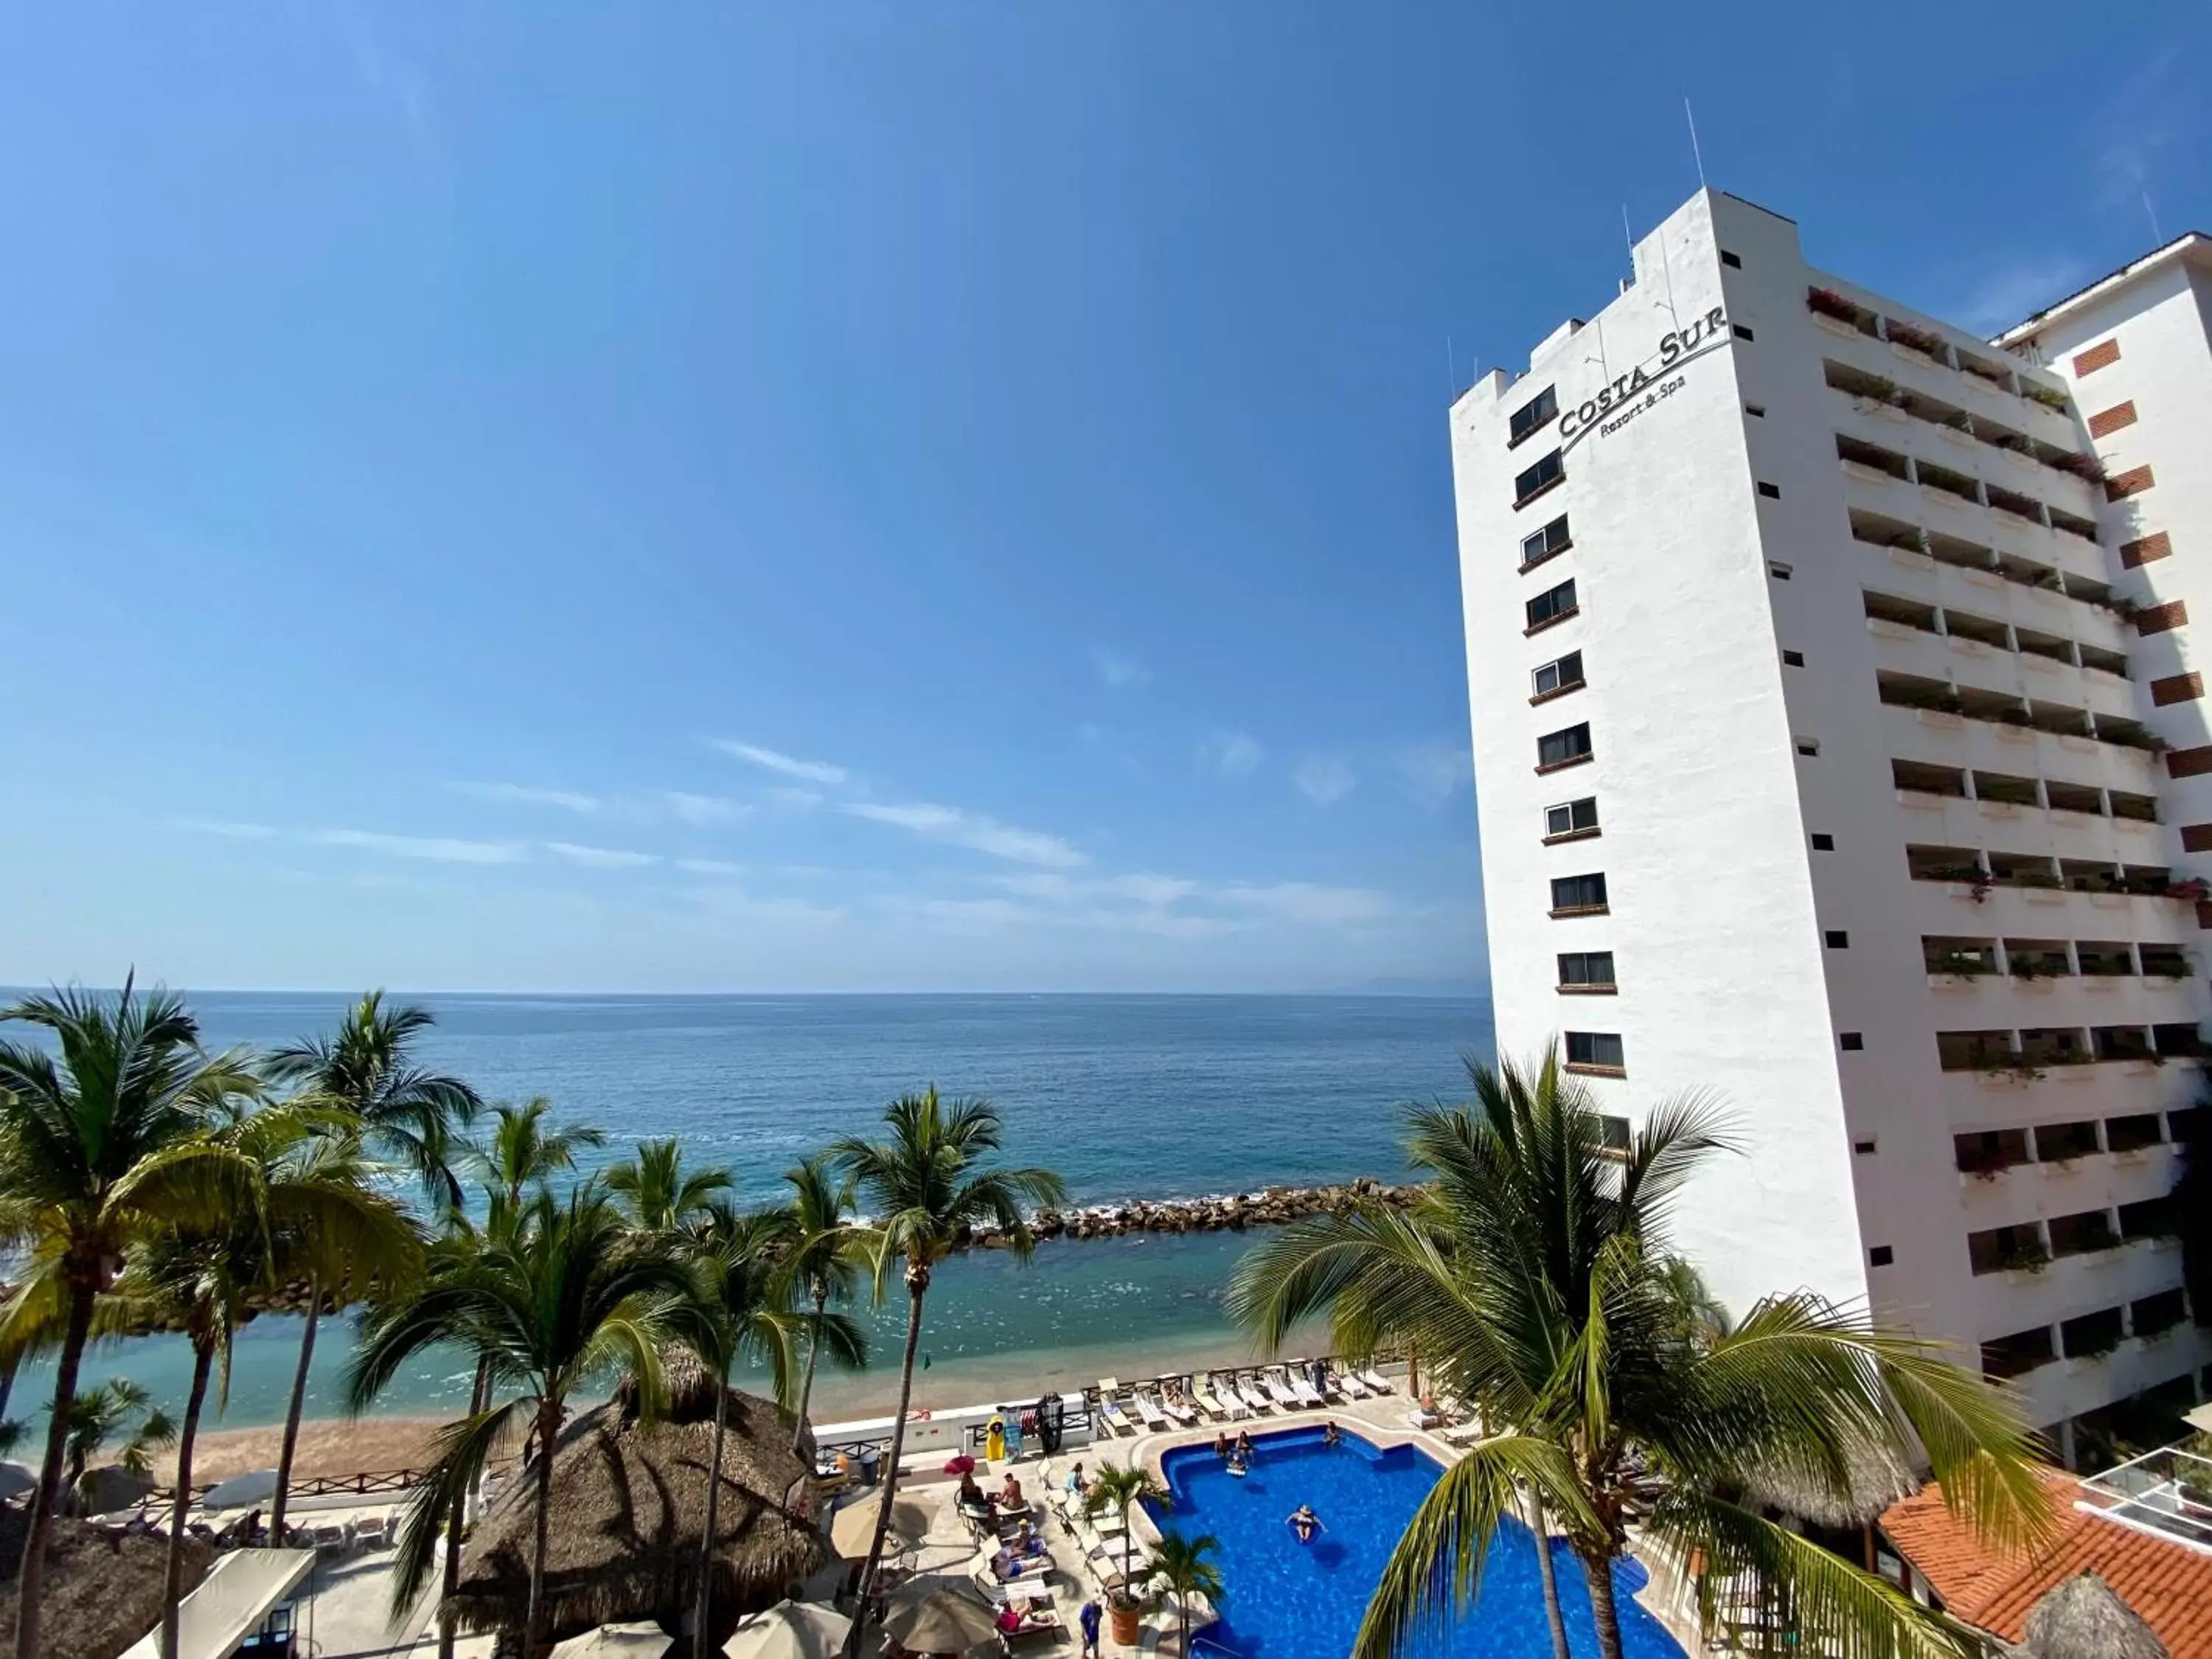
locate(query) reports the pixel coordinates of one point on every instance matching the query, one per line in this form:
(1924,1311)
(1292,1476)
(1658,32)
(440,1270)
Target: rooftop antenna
(2156,237)
(1629,237)
(1699,154)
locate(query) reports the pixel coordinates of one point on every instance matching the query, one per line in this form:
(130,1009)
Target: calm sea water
(1124,1096)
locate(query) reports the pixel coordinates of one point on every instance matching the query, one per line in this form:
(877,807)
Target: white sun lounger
(1349,1383)
(1302,1386)
(1374,1380)
(1109,1408)
(1279,1392)
(1151,1414)
(1202,1396)
(1250,1395)
(1182,1411)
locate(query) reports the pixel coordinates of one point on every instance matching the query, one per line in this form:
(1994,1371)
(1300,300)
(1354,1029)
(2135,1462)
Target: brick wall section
(2160,618)
(2096,357)
(2133,482)
(2107,421)
(2188,762)
(2196,837)
(2145,549)
(2177,688)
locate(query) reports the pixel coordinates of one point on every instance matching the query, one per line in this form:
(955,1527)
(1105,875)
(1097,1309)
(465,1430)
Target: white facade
(1881,809)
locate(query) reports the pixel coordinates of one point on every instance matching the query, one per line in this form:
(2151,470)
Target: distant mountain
(1472,986)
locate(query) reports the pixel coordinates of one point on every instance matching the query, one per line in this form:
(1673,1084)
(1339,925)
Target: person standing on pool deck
(1088,1618)
(1304,1522)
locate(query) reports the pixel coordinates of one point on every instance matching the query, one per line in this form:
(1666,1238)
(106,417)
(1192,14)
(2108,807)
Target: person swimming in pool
(1304,1522)
(1244,1445)
(1329,1436)
(1221,1446)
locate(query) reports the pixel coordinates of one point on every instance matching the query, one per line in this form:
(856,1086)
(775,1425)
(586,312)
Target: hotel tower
(1841,750)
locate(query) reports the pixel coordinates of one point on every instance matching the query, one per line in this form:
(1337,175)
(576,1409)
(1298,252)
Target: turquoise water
(1124,1096)
(1282,1598)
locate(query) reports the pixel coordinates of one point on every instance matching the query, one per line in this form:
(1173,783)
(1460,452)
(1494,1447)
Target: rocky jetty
(1216,1212)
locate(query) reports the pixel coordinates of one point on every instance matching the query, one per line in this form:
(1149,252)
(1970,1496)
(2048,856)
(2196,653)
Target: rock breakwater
(1215,1212)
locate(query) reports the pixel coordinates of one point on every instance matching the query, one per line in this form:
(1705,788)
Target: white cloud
(1432,773)
(982,835)
(708,867)
(789,766)
(797,800)
(226,827)
(704,811)
(600,858)
(1324,779)
(1308,903)
(523,795)
(437,849)
(1233,753)
(1119,671)
(1154,892)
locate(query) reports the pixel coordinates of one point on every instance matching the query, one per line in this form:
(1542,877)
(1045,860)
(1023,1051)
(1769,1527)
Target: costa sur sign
(1674,344)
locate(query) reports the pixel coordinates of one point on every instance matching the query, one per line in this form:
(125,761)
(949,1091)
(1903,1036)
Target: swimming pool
(1282,1598)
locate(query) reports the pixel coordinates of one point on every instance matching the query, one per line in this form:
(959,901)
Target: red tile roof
(2168,1584)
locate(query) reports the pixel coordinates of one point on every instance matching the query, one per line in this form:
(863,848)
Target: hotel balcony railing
(1933,474)
(1877,530)
(1873,324)
(2007,708)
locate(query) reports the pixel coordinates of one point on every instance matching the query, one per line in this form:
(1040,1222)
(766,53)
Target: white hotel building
(1841,750)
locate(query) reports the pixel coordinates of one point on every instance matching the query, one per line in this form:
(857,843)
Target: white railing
(2168,1491)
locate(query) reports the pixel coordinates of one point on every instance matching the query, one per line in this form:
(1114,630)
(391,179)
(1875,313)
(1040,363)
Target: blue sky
(868,496)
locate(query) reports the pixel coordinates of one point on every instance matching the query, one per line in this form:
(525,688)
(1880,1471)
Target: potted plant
(1120,1487)
(1829,303)
(2045,396)
(1914,339)
(1181,1572)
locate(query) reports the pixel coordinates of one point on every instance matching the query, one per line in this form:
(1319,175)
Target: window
(1838,940)
(1573,817)
(1851,1041)
(1865,1148)
(1793,659)
(1551,605)
(1567,748)
(1551,538)
(1596,1050)
(1772,492)
(1573,893)
(1823,841)
(1730,260)
(1586,970)
(1880,1256)
(1538,479)
(1561,674)
(1615,1133)
(1757,412)
(1538,411)
(1739,331)
(2156,1314)
(1809,745)
(1779,572)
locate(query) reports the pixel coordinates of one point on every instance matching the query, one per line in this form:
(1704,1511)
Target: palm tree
(564,1293)
(927,1188)
(98,1415)
(822,1256)
(1534,1278)
(409,1114)
(740,1309)
(1180,1569)
(97,1147)
(656,1191)
(1120,1487)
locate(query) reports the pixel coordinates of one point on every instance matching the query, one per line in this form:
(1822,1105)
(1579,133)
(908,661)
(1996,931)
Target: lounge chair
(1278,1390)
(1249,1391)
(1302,1386)
(1349,1385)
(1202,1396)
(1178,1407)
(1374,1380)
(1110,1406)
(1149,1413)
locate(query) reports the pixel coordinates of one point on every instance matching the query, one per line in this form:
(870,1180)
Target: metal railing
(2168,1491)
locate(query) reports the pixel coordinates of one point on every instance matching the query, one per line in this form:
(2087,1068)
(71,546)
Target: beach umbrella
(854,1529)
(643,1640)
(790,1630)
(941,1615)
(254,1487)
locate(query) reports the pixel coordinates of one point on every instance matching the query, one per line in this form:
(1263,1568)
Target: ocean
(1124,1096)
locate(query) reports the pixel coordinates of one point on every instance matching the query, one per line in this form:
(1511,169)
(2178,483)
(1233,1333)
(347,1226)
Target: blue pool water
(1282,1598)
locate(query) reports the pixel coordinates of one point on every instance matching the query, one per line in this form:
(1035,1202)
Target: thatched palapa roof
(1877,1479)
(629,1508)
(102,1590)
(2085,1619)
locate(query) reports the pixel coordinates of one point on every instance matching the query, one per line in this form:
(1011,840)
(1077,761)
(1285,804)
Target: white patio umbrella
(941,1615)
(644,1640)
(854,1529)
(254,1487)
(790,1630)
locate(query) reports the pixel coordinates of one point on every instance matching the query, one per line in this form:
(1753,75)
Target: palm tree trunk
(292,1415)
(28,1583)
(1598,1570)
(172,1583)
(548,1430)
(890,1473)
(701,1647)
(457,1520)
(806,1384)
(1556,1619)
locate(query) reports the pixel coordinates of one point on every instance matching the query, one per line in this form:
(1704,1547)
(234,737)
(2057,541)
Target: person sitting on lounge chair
(1304,1522)
(1009,1495)
(1077,1485)
(1012,1621)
